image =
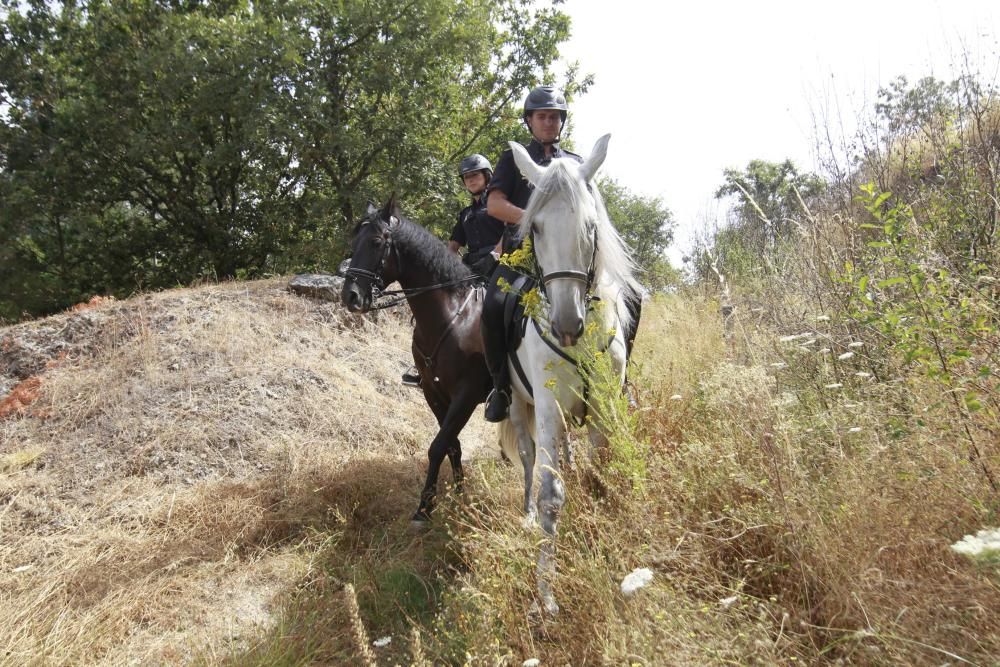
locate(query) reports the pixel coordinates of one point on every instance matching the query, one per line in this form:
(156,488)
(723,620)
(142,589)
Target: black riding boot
(495,349)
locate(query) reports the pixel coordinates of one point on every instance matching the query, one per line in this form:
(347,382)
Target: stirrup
(411,378)
(497,406)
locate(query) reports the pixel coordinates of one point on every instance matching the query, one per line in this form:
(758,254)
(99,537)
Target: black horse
(446,305)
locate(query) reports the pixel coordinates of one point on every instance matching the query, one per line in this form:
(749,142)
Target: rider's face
(545,124)
(475,182)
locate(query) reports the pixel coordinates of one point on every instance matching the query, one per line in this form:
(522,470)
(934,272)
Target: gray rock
(317,286)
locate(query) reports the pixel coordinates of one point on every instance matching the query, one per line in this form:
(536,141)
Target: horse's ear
(595,159)
(391,210)
(531,171)
(372,210)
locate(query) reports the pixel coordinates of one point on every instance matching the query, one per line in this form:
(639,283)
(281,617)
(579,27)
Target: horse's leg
(520,413)
(435,455)
(445,443)
(596,430)
(455,457)
(551,493)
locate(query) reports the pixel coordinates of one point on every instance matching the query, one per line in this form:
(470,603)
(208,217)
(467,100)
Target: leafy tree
(647,226)
(767,200)
(145,144)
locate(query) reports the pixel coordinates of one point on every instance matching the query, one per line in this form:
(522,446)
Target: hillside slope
(168,456)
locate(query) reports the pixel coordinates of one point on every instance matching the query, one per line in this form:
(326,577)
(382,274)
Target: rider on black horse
(545,112)
(475,229)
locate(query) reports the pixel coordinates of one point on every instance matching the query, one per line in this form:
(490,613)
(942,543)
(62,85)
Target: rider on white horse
(545,112)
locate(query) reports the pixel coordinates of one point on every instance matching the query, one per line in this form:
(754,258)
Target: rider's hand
(485,266)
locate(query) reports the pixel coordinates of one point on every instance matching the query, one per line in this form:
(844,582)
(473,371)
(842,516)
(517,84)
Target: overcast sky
(689,89)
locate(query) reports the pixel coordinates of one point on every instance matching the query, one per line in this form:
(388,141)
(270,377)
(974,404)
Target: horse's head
(562,219)
(373,262)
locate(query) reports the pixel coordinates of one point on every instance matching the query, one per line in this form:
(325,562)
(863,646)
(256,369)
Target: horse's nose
(572,334)
(351,297)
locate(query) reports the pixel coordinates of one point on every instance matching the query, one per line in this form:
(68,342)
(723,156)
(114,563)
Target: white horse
(581,261)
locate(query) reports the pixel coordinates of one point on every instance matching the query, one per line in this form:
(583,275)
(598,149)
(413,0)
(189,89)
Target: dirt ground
(163,460)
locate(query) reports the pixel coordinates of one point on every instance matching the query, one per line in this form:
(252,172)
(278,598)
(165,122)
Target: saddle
(515,324)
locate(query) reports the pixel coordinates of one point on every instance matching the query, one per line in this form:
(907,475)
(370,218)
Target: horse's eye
(376,241)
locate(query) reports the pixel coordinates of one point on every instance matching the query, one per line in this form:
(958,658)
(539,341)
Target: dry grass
(227,478)
(183,464)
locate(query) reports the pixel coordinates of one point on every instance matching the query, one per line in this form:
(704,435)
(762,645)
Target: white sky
(688,89)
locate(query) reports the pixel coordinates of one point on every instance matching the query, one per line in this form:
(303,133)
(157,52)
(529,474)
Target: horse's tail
(508,441)
(508,435)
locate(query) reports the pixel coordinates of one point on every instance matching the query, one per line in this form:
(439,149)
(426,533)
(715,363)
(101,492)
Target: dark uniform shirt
(508,179)
(477,230)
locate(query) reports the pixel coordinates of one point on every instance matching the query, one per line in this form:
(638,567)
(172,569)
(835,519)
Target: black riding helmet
(545,97)
(475,162)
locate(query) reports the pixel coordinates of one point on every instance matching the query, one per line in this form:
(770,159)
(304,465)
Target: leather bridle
(587,278)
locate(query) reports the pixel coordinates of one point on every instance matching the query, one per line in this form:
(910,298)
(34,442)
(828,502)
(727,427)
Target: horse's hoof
(420,522)
(530,521)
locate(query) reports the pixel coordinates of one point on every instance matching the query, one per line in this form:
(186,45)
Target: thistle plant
(522,260)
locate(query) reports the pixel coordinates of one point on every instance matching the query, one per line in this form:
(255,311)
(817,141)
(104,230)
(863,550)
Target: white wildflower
(22,568)
(852,405)
(808,342)
(638,578)
(856,344)
(845,356)
(728,602)
(382,642)
(531,662)
(779,365)
(985,543)
(822,318)
(676,397)
(788,339)
(825,350)
(834,385)
(854,429)
(863,374)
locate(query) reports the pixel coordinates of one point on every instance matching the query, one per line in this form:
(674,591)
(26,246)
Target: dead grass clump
(20,397)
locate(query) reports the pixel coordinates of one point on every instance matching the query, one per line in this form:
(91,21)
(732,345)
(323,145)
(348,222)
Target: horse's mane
(418,245)
(615,269)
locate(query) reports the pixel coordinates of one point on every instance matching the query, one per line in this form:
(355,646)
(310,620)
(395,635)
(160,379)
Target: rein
(402,294)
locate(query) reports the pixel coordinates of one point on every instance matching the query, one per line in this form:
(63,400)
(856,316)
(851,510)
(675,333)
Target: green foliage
(769,199)
(149,144)
(770,203)
(928,317)
(647,226)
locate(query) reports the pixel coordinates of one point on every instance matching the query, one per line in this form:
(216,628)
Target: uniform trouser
(493,328)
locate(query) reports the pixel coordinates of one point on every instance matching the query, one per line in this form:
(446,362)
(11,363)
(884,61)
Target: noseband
(374,277)
(587,278)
